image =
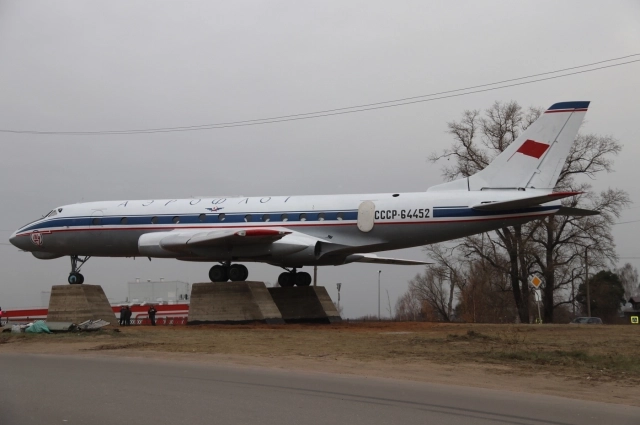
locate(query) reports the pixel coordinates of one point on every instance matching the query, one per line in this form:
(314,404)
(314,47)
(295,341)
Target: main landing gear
(225,272)
(75,278)
(293,277)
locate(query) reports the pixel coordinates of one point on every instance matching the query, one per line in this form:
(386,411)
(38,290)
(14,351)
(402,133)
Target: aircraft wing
(180,241)
(523,202)
(372,258)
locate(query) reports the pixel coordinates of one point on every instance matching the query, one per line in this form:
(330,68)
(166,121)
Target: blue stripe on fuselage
(201,218)
(454,212)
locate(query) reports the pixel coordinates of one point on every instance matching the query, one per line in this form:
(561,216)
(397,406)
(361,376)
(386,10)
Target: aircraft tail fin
(535,158)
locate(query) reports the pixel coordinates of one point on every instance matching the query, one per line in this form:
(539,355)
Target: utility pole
(379,272)
(339,285)
(586,281)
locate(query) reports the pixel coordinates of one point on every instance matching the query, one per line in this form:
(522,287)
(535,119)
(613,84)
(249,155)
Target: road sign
(535,281)
(634,320)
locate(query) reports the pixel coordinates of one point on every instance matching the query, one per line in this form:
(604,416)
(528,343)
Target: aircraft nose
(15,240)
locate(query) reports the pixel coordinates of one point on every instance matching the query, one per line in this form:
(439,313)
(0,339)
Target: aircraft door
(366,214)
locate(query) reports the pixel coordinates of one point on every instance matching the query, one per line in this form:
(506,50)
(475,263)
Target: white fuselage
(330,226)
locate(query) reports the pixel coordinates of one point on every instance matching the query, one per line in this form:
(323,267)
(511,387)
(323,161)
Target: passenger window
(340,216)
(221,217)
(321,217)
(202,218)
(247,218)
(154,220)
(123,220)
(284,217)
(176,220)
(303,217)
(95,221)
(266,217)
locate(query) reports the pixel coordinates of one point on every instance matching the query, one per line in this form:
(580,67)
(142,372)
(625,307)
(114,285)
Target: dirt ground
(600,363)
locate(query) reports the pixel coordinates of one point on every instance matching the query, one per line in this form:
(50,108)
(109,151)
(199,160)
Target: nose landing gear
(75,277)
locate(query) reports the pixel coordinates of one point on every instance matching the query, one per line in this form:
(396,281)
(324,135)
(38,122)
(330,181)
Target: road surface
(43,389)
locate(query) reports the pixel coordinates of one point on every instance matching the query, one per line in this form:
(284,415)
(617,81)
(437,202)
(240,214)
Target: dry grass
(603,353)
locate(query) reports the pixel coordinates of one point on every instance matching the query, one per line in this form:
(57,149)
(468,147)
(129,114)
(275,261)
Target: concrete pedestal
(79,303)
(310,304)
(232,302)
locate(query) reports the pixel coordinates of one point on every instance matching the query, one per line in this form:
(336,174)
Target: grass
(602,352)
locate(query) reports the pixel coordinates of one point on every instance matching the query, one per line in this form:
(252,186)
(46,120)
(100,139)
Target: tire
(238,273)
(218,274)
(75,278)
(303,279)
(245,272)
(285,280)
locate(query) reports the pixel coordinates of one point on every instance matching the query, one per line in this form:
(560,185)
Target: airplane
(296,231)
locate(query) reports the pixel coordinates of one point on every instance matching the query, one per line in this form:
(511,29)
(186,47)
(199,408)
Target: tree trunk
(549,273)
(523,311)
(451,291)
(523,277)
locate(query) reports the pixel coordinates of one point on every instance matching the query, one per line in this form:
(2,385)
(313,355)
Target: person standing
(127,316)
(152,315)
(122,314)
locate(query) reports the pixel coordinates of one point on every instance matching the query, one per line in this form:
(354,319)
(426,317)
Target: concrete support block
(232,302)
(307,304)
(79,303)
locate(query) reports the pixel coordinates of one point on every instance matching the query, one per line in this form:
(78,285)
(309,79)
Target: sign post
(536,282)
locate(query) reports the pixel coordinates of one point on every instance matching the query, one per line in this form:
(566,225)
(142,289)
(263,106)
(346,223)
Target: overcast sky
(86,66)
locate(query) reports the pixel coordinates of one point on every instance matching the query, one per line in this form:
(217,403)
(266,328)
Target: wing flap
(222,237)
(372,258)
(523,202)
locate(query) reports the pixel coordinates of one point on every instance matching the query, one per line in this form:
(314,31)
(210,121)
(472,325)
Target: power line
(345,110)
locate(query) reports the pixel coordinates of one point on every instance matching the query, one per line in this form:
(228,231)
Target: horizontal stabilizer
(372,258)
(523,202)
(576,212)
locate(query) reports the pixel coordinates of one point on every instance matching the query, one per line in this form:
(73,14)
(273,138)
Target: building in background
(161,291)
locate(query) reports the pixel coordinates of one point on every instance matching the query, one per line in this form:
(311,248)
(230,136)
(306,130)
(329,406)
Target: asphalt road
(94,391)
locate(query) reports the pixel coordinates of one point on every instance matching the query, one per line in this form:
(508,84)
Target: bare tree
(437,285)
(433,289)
(409,308)
(546,246)
(629,278)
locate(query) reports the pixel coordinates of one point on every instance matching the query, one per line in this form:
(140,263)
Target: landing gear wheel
(238,273)
(75,278)
(302,279)
(218,274)
(286,280)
